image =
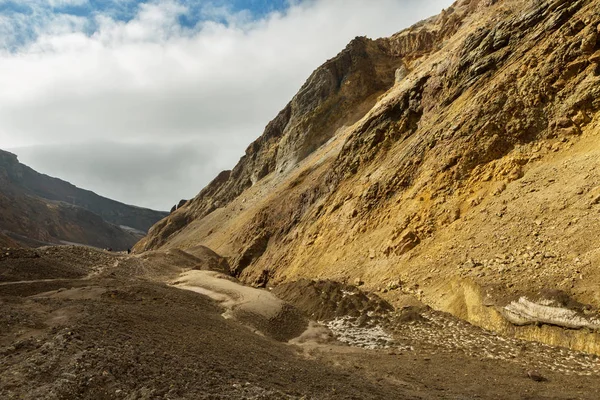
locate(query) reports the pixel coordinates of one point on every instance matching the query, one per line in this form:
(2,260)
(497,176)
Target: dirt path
(34,281)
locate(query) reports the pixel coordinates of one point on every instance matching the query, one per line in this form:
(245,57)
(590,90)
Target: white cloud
(63,3)
(153,82)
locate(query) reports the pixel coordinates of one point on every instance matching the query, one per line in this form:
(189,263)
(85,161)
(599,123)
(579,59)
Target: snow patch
(346,330)
(525,311)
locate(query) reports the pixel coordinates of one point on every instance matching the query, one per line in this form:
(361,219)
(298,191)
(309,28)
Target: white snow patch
(525,311)
(347,331)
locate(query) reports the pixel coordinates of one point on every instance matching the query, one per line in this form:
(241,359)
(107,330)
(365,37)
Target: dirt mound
(327,300)
(65,262)
(208,259)
(167,265)
(160,265)
(255,308)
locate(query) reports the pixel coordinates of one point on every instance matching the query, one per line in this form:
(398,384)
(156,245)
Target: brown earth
(113,330)
(467,179)
(123,335)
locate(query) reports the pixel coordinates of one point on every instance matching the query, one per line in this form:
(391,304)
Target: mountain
(5,241)
(36,209)
(453,163)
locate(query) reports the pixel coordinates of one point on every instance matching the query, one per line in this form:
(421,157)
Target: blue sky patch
(27,18)
(11,7)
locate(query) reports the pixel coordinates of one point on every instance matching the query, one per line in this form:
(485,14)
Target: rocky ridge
(55,189)
(36,209)
(462,175)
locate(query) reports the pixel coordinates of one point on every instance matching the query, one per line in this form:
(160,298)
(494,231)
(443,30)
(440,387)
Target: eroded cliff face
(336,95)
(455,161)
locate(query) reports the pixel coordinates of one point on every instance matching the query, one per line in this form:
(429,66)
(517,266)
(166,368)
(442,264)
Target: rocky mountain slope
(453,164)
(56,189)
(37,209)
(5,241)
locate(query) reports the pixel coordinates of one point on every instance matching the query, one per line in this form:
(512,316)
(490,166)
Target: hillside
(5,241)
(36,209)
(452,164)
(55,189)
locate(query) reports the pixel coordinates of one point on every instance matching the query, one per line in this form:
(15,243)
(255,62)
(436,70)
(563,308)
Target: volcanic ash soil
(78,323)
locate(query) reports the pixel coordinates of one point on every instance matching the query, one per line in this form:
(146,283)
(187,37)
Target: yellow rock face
(468,180)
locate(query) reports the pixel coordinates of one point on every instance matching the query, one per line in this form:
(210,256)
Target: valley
(420,221)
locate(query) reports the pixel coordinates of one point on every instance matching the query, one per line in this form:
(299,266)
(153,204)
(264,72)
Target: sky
(146,102)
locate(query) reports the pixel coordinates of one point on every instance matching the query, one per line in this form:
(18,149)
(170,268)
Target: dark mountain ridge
(38,209)
(51,188)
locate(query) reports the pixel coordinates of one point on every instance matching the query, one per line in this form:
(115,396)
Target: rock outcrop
(177,206)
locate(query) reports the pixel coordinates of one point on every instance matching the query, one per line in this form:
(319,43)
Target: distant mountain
(37,209)
(5,241)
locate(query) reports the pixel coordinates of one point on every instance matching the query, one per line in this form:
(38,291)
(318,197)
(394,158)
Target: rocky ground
(82,323)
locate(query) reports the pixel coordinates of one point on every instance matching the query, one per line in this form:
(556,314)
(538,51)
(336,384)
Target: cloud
(131,171)
(156,87)
(63,3)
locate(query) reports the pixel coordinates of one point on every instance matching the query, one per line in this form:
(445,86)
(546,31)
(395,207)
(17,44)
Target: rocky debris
(436,332)
(536,261)
(353,316)
(426,331)
(328,300)
(348,330)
